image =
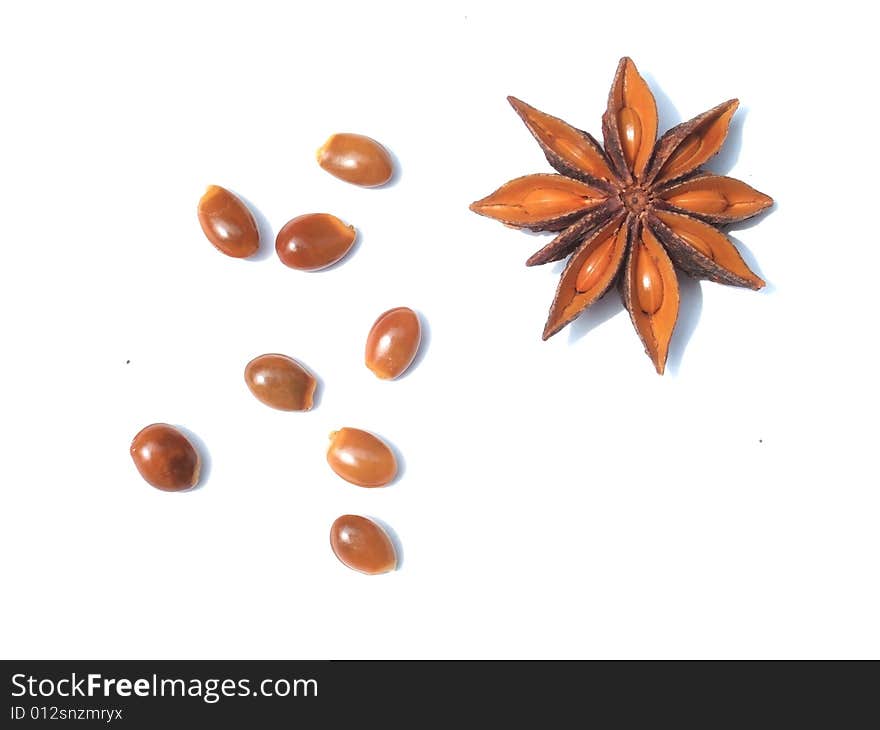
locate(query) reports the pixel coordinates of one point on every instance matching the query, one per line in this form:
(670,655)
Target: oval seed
(361,458)
(550,201)
(314,241)
(356,159)
(689,147)
(362,545)
(701,201)
(165,458)
(649,285)
(630,127)
(594,266)
(280,382)
(393,342)
(694,240)
(227,223)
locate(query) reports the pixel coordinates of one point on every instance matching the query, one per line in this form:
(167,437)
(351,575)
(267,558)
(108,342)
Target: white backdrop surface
(558,499)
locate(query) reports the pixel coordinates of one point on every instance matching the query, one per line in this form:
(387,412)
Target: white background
(558,499)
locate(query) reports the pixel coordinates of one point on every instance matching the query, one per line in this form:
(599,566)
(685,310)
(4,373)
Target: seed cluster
(167,459)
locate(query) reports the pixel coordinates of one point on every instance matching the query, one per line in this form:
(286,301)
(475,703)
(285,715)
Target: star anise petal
(649,290)
(690,144)
(629,125)
(714,198)
(540,202)
(589,273)
(702,250)
(569,150)
(573,236)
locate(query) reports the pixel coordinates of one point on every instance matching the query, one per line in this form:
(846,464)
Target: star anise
(631,213)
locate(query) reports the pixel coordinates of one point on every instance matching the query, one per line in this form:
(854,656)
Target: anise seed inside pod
(694,240)
(362,545)
(700,201)
(649,285)
(356,159)
(393,342)
(165,458)
(314,241)
(280,382)
(595,266)
(227,223)
(361,458)
(684,153)
(630,133)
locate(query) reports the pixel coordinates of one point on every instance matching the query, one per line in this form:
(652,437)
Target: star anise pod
(632,213)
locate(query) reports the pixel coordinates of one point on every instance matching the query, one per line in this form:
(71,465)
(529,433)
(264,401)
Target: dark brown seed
(280,382)
(362,545)
(165,458)
(314,241)
(228,224)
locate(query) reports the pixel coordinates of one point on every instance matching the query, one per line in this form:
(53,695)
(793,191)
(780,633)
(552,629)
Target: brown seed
(314,241)
(165,458)
(356,159)
(361,458)
(280,382)
(701,201)
(630,133)
(393,342)
(541,202)
(704,247)
(685,152)
(649,284)
(228,223)
(595,266)
(362,545)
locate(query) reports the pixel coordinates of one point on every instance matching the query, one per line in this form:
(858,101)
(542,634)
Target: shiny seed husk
(314,241)
(356,159)
(280,382)
(630,133)
(227,223)
(710,201)
(649,284)
(362,545)
(594,266)
(165,458)
(704,247)
(361,458)
(393,342)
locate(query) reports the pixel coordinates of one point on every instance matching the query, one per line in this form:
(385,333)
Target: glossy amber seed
(361,458)
(710,201)
(595,266)
(165,458)
(228,224)
(630,127)
(704,247)
(393,342)
(314,241)
(280,382)
(649,284)
(356,159)
(362,545)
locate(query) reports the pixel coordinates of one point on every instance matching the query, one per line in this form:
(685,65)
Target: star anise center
(636,199)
